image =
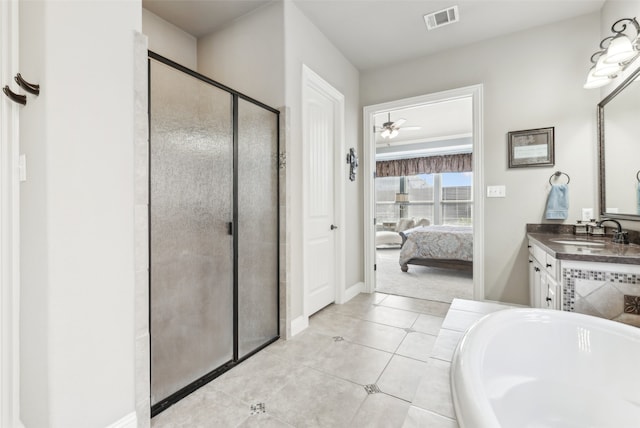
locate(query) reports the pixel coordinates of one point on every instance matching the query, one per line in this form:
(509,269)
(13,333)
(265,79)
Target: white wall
(248,55)
(77,317)
(532,79)
(34,288)
(170,41)
(305,44)
(261,55)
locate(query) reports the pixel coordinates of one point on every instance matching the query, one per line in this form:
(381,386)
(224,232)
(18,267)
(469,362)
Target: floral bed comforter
(438,242)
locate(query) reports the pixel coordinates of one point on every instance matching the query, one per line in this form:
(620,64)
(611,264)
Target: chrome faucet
(619,237)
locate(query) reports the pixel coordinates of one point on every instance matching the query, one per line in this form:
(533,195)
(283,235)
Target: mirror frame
(601,143)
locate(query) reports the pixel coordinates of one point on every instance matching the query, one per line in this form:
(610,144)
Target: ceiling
(444,127)
(373,34)
(201,17)
(377,33)
(443,119)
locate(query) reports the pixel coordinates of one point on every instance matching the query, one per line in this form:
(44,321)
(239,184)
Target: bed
(442,246)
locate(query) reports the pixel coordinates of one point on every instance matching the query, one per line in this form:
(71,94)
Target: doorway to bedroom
(423,199)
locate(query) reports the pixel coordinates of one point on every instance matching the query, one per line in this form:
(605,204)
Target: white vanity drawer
(546,260)
(539,254)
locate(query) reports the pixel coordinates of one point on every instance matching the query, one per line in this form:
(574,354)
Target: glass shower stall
(214,229)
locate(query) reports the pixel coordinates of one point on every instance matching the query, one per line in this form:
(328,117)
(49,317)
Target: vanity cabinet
(598,278)
(545,289)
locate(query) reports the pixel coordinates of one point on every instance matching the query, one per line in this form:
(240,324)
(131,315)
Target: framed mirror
(619,151)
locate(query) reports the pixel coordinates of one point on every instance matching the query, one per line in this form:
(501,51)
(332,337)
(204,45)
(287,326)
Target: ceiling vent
(442,17)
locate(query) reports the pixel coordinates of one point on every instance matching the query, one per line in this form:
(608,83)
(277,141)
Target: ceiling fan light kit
(392,129)
(389,133)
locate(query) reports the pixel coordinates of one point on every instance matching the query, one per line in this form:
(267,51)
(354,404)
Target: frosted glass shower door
(191,250)
(257,169)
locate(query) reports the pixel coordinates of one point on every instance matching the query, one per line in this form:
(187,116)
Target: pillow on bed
(423,222)
(404,224)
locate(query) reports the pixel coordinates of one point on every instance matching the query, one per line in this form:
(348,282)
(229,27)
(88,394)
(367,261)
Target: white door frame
(311,80)
(369,168)
(9,224)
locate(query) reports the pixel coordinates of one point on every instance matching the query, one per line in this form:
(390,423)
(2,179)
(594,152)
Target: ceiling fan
(391,129)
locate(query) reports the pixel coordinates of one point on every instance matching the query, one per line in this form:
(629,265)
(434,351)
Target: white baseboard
(299,324)
(353,291)
(129,421)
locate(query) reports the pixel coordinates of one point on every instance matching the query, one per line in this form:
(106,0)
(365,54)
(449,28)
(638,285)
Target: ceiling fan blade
(411,128)
(398,123)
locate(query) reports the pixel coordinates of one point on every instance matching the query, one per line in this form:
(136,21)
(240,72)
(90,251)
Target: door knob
(333,227)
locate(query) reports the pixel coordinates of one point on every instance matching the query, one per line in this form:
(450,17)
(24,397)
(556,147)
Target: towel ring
(559,173)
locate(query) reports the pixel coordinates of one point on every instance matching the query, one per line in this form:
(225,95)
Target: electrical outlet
(587,214)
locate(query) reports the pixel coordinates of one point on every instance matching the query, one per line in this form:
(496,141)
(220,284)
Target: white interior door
(320,227)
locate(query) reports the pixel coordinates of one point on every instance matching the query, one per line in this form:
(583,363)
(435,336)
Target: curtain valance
(424,165)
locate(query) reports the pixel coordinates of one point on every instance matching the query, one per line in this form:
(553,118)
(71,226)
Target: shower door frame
(235,96)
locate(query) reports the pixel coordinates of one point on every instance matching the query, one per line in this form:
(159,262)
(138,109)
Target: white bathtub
(534,368)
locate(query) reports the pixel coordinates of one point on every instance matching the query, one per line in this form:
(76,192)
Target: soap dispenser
(580,228)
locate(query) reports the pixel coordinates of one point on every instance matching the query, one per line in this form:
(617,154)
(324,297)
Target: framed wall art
(530,148)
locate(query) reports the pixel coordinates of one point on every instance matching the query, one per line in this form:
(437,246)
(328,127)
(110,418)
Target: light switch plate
(496,191)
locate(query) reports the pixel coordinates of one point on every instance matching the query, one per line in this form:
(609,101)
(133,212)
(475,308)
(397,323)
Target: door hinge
(230,228)
(375,267)
(374,221)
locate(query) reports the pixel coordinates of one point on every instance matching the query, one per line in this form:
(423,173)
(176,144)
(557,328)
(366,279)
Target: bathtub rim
(463,377)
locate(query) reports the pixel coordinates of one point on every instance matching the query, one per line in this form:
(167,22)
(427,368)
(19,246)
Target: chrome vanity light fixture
(615,54)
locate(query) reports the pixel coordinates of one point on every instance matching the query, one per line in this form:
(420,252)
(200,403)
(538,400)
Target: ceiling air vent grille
(442,17)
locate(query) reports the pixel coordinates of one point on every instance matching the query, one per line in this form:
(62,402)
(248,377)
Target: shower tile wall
(141,233)
(283,201)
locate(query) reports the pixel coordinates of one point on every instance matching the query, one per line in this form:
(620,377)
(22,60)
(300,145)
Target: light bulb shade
(595,82)
(603,69)
(620,50)
(393,133)
(385,133)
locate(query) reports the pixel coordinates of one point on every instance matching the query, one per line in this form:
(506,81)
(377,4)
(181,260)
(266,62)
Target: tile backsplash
(602,293)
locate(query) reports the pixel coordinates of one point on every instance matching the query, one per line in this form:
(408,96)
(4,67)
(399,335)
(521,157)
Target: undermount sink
(578,242)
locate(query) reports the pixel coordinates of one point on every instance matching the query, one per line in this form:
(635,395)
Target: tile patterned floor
(399,347)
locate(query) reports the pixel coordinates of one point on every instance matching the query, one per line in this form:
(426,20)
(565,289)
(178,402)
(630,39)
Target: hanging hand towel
(558,202)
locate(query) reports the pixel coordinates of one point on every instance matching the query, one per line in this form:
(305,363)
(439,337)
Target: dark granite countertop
(608,253)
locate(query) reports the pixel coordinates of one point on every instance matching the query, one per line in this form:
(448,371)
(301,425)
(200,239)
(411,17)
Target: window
(386,208)
(444,198)
(456,198)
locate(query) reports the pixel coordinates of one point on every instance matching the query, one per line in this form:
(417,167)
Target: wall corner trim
(129,421)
